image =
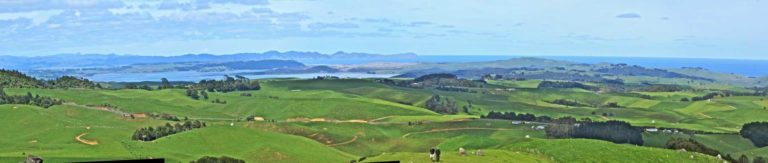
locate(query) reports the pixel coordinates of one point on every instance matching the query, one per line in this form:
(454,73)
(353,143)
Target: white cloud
(37,17)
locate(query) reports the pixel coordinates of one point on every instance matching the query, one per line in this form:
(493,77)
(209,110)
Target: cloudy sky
(650,28)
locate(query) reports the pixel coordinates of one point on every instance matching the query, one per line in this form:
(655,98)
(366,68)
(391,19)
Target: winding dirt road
(80,139)
(354,138)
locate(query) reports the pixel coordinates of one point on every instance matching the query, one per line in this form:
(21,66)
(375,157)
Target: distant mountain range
(64,61)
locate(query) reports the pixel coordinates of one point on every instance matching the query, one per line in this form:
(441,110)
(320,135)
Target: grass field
(453,156)
(51,133)
(340,120)
(599,151)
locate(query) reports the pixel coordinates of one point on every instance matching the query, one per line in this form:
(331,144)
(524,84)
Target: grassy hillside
(340,120)
(51,133)
(581,150)
(270,103)
(453,156)
(16,79)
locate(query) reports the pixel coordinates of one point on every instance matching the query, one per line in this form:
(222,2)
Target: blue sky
(648,28)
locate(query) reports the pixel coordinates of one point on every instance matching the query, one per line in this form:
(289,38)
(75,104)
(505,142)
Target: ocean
(751,68)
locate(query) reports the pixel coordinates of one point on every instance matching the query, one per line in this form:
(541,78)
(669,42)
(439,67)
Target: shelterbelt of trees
(569,127)
(28,99)
(229,84)
(152,133)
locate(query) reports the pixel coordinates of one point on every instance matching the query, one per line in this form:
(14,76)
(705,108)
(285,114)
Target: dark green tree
(165,84)
(204,94)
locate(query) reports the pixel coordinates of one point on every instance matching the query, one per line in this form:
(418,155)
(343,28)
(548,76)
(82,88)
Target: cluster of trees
(516,117)
(441,105)
(150,133)
(150,85)
(395,82)
(238,83)
(723,94)
(707,96)
(612,105)
(757,132)
(569,127)
(760,91)
(16,79)
(690,145)
(613,131)
(638,95)
(165,84)
(28,99)
(435,77)
(71,82)
(567,102)
(166,116)
(559,84)
(222,159)
(194,94)
(217,101)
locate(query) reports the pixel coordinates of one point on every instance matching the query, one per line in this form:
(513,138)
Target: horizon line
(392,54)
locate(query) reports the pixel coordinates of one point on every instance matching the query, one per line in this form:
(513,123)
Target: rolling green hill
(343,119)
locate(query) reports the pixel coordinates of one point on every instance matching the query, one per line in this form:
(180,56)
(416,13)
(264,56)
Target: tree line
(613,131)
(150,133)
(569,127)
(441,105)
(136,86)
(28,99)
(229,84)
(516,117)
(567,102)
(712,95)
(690,145)
(664,88)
